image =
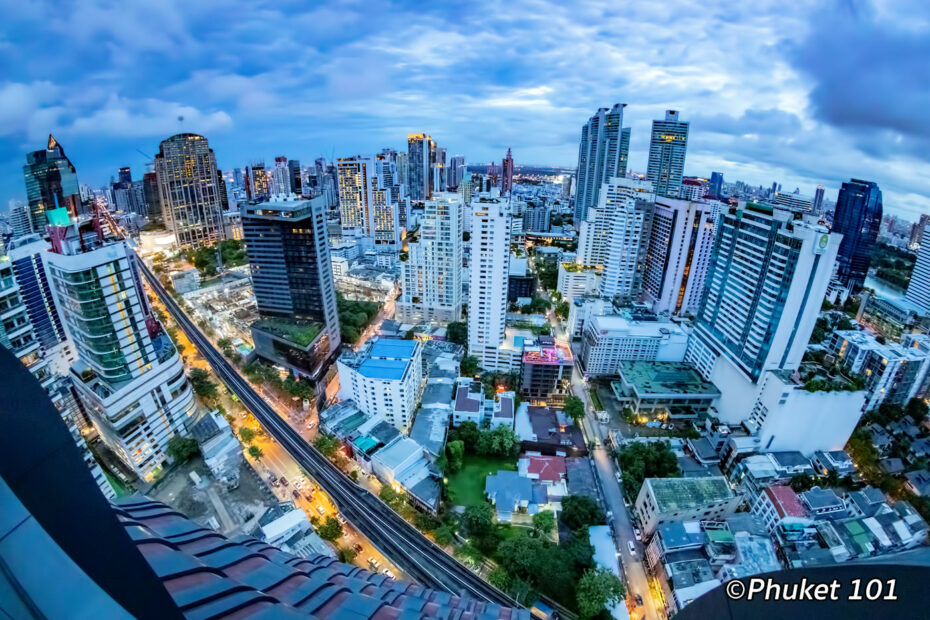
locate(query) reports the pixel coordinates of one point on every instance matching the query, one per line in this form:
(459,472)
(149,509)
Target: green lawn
(466,488)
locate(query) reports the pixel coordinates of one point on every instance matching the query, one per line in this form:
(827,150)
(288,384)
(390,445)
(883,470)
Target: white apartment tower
(490,269)
(431,276)
(602,154)
(367,205)
(596,231)
(667,150)
(918,289)
(128,373)
(766,282)
(680,244)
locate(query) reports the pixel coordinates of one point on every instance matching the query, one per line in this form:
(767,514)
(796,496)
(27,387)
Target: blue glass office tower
(51,182)
(857,217)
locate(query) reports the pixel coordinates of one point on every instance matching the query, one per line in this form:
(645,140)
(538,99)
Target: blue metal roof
(402,349)
(382,369)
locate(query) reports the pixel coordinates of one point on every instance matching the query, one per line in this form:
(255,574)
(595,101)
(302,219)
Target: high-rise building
(490,271)
(507,173)
(152,197)
(437,163)
(51,183)
(419,149)
(295,176)
(858,216)
(625,263)
(128,375)
(258,181)
(280,178)
(456,171)
(602,155)
(596,231)
(367,205)
(818,200)
(766,282)
(185,168)
(681,239)
(798,202)
(292,277)
(667,149)
(536,218)
(431,275)
(20,220)
(917,231)
(716,185)
(28,258)
(918,289)
(125,176)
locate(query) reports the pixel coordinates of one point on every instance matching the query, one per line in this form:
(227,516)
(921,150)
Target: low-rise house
(672,538)
(782,512)
(918,482)
(754,555)
(404,466)
(865,502)
(823,503)
(503,409)
(702,451)
(881,439)
(685,580)
(920,448)
(580,477)
(430,428)
(549,471)
(222,452)
(904,427)
(548,431)
(681,499)
(833,461)
(510,492)
(469,402)
(287,527)
(891,466)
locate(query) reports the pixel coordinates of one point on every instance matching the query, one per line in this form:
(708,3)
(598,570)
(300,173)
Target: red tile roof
(549,468)
(786,501)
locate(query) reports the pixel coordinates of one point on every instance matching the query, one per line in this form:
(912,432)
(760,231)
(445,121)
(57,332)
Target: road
(634,571)
(405,545)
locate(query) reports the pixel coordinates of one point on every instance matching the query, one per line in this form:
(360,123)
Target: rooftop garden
(300,333)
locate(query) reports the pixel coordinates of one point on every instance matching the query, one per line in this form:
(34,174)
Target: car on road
(374,564)
(320,510)
(357,547)
(295,493)
(388,572)
(637,534)
(619,478)
(639,600)
(631,547)
(284,481)
(310,424)
(340,518)
(308,497)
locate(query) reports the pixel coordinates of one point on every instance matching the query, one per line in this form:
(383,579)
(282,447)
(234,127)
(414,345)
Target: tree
(224,343)
(523,556)
(203,387)
(180,449)
(330,530)
(468,433)
(579,511)
(543,522)
(597,590)
(456,455)
(500,578)
(917,409)
(411,334)
(470,366)
(478,520)
(457,332)
(443,535)
(561,310)
(801,482)
(327,445)
(574,408)
(640,460)
(246,434)
(498,441)
(391,497)
(256,453)
(346,555)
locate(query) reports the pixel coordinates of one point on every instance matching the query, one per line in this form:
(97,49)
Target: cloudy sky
(800,92)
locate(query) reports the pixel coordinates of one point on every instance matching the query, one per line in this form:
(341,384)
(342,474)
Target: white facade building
(918,289)
(490,269)
(608,340)
(614,208)
(765,285)
(368,206)
(128,374)
(431,277)
(384,377)
(681,241)
(573,281)
(798,202)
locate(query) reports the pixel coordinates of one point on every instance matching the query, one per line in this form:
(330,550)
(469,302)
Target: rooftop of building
(437,393)
(398,452)
(657,378)
(629,326)
(680,535)
(689,572)
(429,429)
(676,494)
(301,333)
(786,501)
(388,370)
(821,499)
(554,354)
(546,468)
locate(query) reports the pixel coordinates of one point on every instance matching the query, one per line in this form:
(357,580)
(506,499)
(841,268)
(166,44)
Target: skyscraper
(258,181)
(292,277)
(367,206)
(490,269)
(456,172)
(125,176)
(128,373)
(431,276)
(628,234)
(602,154)
(818,200)
(185,168)
(280,178)
(918,289)
(51,183)
(596,231)
(296,178)
(766,281)
(716,185)
(667,150)
(419,147)
(858,216)
(680,243)
(507,174)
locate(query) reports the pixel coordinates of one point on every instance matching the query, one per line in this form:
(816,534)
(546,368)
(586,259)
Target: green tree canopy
(256,453)
(469,366)
(544,521)
(580,511)
(246,434)
(640,460)
(478,520)
(574,408)
(457,332)
(327,445)
(597,590)
(330,530)
(455,451)
(180,449)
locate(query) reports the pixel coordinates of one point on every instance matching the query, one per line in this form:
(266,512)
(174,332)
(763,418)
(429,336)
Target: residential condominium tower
(858,216)
(667,149)
(602,154)
(595,239)
(292,278)
(419,147)
(368,206)
(431,275)
(128,375)
(490,269)
(766,282)
(189,190)
(918,289)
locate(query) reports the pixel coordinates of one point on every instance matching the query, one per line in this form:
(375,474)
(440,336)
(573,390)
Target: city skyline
(788,117)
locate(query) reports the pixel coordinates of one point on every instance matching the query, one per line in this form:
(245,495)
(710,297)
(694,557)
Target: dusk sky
(799,93)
